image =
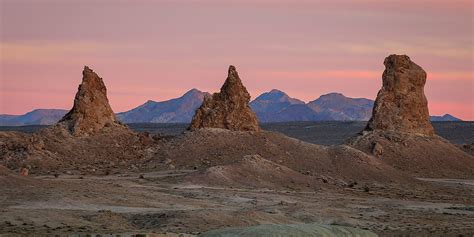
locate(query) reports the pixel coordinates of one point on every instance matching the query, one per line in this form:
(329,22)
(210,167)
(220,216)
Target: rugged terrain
(160,202)
(89,173)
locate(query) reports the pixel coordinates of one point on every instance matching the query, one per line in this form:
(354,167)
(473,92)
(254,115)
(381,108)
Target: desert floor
(164,202)
(158,202)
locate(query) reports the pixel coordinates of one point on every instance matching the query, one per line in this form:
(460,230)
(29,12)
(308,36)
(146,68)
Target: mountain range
(272,106)
(35,117)
(277,106)
(179,110)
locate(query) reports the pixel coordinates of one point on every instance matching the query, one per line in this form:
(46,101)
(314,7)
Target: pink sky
(157,50)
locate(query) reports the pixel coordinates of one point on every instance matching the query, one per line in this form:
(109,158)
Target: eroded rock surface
(91,111)
(400,132)
(401,104)
(228,109)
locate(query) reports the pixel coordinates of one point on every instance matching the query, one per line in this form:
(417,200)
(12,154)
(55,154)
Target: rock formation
(23,172)
(401,105)
(91,111)
(228,109)
(400,133)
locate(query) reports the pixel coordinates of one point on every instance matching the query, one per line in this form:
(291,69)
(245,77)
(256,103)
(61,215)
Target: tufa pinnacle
(91,111)
(228,109)
(401,104)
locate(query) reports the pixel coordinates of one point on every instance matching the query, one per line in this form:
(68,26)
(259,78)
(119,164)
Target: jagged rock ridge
(228,109)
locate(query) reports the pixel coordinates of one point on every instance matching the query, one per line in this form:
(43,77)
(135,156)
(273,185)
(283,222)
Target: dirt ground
(119,182)
(164,202)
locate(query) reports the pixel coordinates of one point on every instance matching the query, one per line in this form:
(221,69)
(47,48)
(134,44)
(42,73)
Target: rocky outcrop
(401,104)
(228,109)
(400,132)
(91,111)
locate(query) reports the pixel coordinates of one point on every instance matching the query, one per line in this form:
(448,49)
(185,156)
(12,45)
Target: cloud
(45,52)
(438,49)
(420,46)
(361,74)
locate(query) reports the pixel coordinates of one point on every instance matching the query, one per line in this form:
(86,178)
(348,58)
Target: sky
(158,50)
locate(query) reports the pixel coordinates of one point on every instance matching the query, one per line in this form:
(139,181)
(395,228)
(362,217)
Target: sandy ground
(161,202)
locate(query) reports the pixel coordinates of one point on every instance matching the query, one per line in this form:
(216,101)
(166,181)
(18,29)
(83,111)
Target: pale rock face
(228,109)
(91,111)
(401,105)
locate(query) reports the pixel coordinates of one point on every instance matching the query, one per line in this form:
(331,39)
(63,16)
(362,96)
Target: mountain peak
(445,117)
(276,91)
(333,95)
(277,96)
(192,92)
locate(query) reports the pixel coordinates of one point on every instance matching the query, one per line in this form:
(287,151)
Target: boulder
(23,172)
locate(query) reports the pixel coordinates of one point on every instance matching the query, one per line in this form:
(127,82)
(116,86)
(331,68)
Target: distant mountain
(35,117)
(179,110)
(272,106)
(335,106)
(275,106)
(444,118)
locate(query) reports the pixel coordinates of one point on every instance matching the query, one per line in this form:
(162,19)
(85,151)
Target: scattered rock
(24,172)
(228,109)
(468,148)
(352,184)
(377,150)
(401,104)
(91,111)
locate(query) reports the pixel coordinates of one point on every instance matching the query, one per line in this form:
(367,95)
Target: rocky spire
(228,109)
(91,111)
(401,104)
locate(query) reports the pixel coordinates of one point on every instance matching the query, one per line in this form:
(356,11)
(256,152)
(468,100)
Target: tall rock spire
(228,109)
(91,111)
(401,104)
